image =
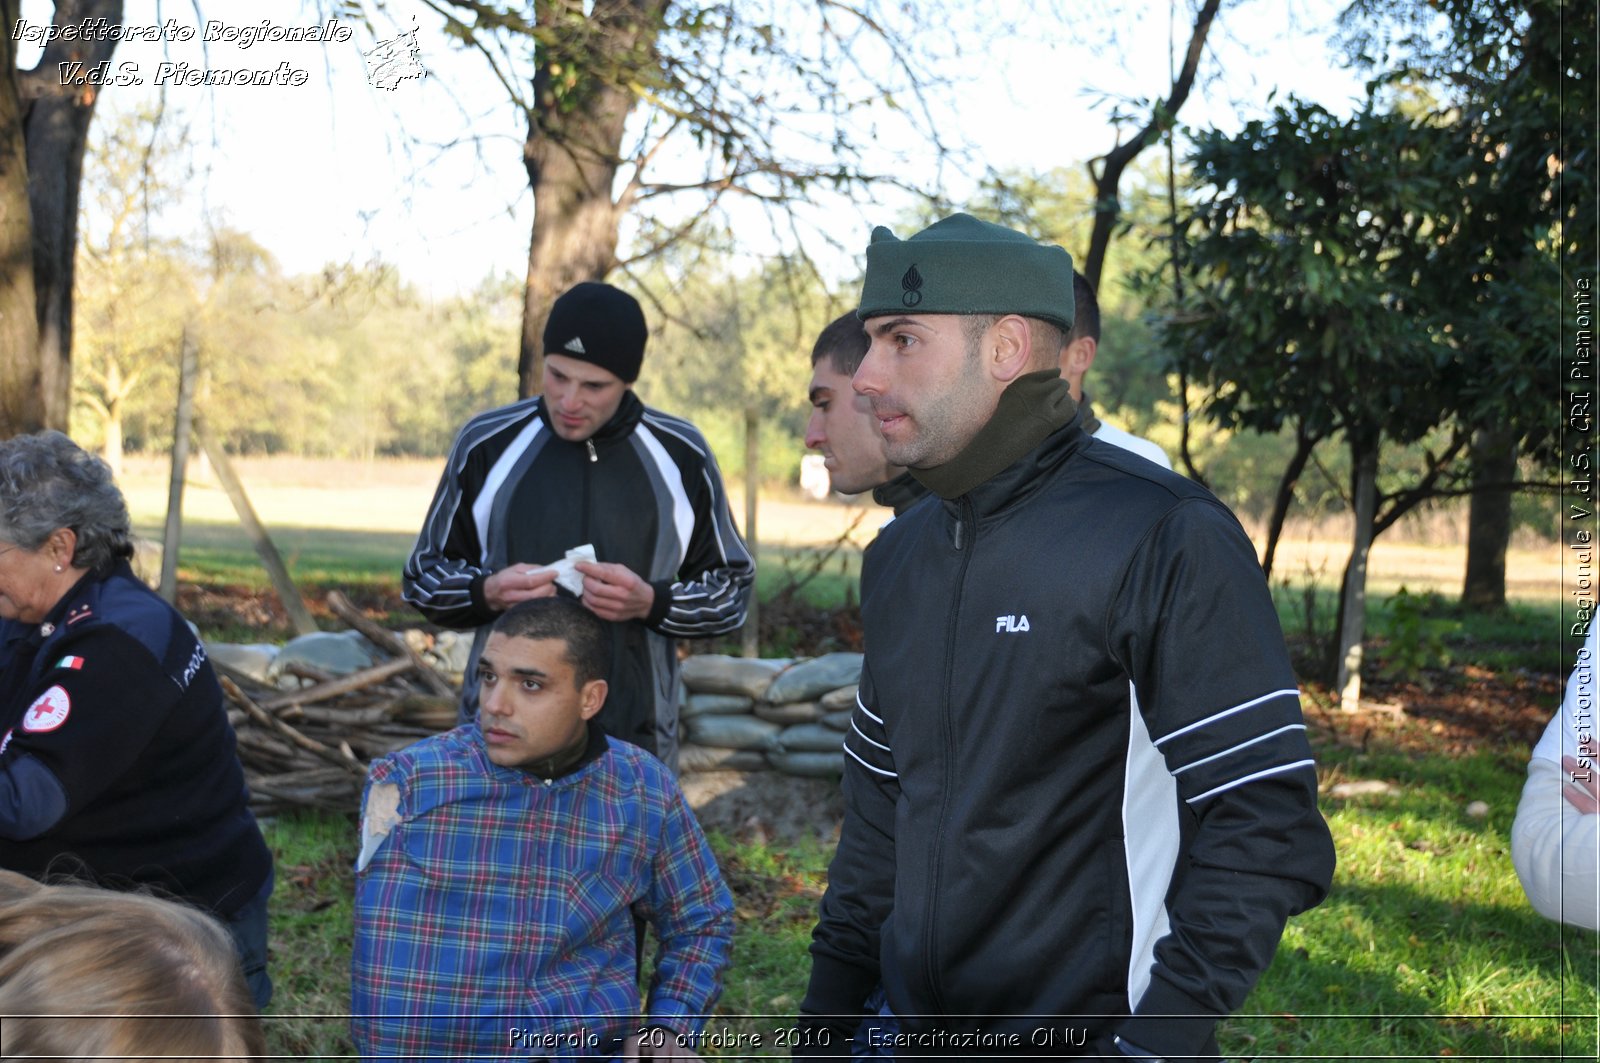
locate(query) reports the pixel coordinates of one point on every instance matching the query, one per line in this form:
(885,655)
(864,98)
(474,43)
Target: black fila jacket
(644,490)
(1077,778)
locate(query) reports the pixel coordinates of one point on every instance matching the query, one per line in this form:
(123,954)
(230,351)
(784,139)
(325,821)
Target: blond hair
(86,973)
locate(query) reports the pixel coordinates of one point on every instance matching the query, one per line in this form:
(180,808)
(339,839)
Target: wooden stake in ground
(288,593)
(172,537)
(750,636)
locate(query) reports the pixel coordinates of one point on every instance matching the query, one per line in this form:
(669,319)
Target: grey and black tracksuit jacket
(1077,777)
(644,489)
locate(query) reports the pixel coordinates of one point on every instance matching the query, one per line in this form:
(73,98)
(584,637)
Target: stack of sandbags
(748,714)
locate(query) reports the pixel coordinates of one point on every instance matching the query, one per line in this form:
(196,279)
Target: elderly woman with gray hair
(117,762)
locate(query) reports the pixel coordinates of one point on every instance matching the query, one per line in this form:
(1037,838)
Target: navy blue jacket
(117,761)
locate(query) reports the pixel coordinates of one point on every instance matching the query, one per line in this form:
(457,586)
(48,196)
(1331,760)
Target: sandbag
(809,765)
(716,705)
(334,652)
(839,721)
(809,738)
(692,758)
(249,659)
(792,713)
(449,653)
(843,698)
(811,679)
(716,673)
(731,732)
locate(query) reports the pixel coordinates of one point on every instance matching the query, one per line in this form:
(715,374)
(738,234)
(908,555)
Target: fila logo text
(1011,623)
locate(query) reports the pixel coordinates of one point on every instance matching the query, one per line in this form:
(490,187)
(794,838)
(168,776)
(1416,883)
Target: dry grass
(383,496)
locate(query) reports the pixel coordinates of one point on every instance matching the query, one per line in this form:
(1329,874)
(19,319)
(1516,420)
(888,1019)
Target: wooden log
(428,710)
(376,745)
(305,670)
(318,776)
(253,741)
(385,639)
(293,604)
(172,536)
(342,717)
(261,716)
(402,730)
(334,688)
(244,682)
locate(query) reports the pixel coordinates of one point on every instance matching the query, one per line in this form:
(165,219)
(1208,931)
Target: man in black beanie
(1080,804)
(586,464)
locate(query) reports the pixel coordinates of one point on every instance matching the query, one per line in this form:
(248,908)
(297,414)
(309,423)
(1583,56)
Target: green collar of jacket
(1035,405)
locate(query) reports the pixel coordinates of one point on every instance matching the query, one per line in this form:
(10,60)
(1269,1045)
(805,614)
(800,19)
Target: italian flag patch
(74,663)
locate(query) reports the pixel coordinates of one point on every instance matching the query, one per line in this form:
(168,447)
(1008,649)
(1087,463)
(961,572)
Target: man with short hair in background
(588,464)
(842,428)
(1083,343)
(1080,804)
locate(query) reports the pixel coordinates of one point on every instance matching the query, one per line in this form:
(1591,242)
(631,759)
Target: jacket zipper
(964,548)
(588,480)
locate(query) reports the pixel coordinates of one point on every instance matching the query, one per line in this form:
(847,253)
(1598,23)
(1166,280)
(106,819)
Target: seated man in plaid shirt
(502,863)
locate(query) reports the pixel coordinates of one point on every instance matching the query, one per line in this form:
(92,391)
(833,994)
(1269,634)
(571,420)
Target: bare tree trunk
(1303,446)
(1494,468)
(1109,177)
(573,153)
(56,128)
(115,392)
(1175,245)
(1353,600)
(112,450)
(21,402)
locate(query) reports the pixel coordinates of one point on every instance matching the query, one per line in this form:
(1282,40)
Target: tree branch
(1114,162)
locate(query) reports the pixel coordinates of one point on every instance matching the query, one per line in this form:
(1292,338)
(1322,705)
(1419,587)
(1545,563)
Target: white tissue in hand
(567,575)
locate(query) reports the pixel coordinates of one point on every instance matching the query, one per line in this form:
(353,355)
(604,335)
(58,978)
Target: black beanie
(600,324)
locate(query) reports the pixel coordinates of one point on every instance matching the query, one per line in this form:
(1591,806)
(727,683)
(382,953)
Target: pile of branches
(311,747)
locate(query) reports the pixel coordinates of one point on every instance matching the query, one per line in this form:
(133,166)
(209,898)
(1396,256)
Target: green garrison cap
(965,266)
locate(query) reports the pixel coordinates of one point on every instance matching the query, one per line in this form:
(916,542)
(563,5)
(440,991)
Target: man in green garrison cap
(1080,805)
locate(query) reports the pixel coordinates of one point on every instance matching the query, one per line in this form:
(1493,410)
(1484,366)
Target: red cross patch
(48,712)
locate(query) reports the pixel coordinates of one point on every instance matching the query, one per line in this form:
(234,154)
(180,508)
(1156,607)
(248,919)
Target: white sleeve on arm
(1556,848)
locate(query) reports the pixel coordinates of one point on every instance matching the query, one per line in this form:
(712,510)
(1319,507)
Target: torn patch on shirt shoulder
(378,818)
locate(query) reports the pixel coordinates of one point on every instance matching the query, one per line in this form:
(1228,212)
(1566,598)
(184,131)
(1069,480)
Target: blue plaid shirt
(495,919)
